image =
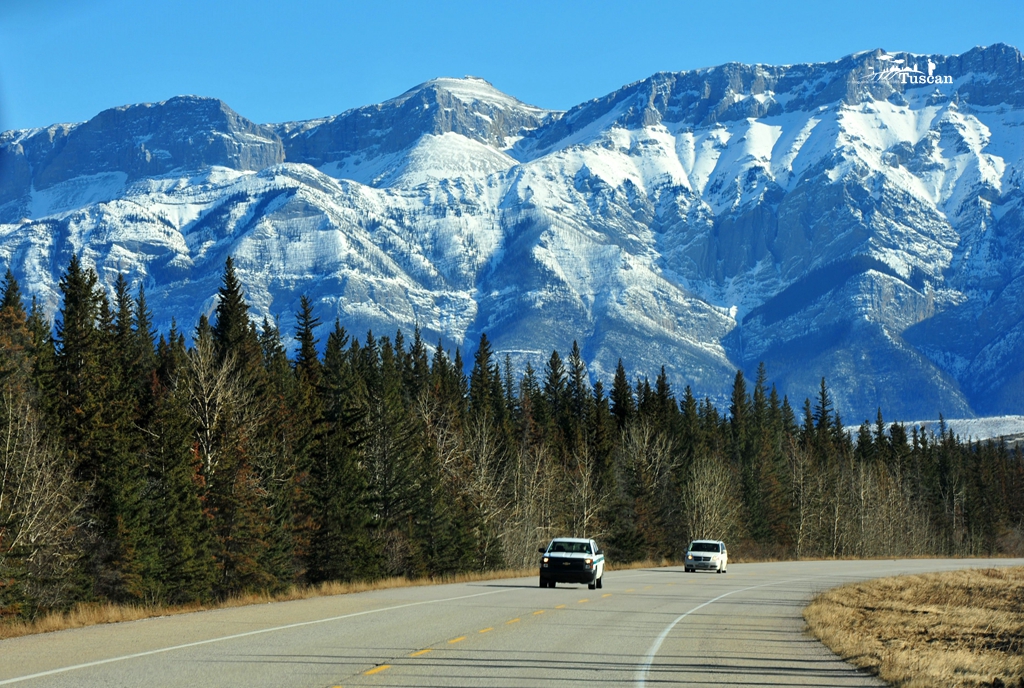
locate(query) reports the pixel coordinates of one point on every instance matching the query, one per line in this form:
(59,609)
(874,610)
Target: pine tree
(739,416)
(78,368)
(342,546)
(144,335)
(391,453)
(280,450)
(16,337)
(307,416)
(555,384)
(248,518)
(231,325)
(181,526)
(482,379)
(823,410)
(307,361)
(665,408)
(417,374)
(579,401)
(132,569)
(11,298)
(623,406)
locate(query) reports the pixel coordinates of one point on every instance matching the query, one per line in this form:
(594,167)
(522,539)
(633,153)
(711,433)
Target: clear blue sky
(66,60)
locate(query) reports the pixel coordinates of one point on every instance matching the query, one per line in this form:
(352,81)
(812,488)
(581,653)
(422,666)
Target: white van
(706,555)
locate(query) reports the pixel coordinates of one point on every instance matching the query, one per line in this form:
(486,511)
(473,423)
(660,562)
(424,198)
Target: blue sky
(66,60)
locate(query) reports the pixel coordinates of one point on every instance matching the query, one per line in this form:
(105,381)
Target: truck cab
(571,560)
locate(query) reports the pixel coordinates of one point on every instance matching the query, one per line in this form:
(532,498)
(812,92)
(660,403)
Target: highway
(645,627)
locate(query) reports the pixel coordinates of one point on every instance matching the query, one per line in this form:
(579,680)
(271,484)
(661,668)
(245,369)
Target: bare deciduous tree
(649,460)
(530,519)
(39,511)
(584,499)
(710,498)
(219,396)
(486,483)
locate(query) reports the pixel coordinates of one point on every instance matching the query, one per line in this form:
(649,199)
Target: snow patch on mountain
(77,193)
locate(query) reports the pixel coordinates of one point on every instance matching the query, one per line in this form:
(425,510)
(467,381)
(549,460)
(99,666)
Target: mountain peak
(472,90)
(471,107)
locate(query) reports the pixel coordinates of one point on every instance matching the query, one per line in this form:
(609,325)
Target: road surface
(646,627)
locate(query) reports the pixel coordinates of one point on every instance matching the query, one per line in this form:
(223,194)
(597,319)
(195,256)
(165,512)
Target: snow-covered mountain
(859,220)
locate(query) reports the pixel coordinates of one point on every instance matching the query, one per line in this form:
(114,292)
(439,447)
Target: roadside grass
(957,628)
(92,614)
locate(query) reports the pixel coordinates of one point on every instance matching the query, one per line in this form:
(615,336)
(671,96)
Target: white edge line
(161,650)
(640,678)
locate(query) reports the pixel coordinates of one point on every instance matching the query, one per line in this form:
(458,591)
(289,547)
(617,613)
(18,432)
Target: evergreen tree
(11,298)
(187,570)
(555,385)
(231,325)
(623,406)
(483,382)
(342,545)
(307,361)
(280,451)
(248,519)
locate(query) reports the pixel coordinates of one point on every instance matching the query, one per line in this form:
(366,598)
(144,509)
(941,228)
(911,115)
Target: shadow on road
(483,667)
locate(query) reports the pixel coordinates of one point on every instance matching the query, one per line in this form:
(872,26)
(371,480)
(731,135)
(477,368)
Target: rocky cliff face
(135,141)
(859,220)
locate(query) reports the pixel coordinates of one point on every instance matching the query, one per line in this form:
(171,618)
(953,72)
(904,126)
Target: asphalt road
(645,627)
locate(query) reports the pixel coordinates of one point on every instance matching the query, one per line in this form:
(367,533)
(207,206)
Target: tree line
(173,469)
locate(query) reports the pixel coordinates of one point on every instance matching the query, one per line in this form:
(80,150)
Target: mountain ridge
(813,216)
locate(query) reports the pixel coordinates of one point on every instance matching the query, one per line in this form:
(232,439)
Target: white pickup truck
(571,560)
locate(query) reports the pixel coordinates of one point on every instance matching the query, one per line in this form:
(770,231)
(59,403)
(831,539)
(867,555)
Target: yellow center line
(560,606)
(630,589)
(421,652)
(607,594)
(487,630)
(540,611)
(377,669)
(648,587)
(457,640)
(583,600)
(513,620)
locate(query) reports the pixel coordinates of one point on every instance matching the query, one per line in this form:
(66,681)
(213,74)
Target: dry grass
(92,614)
(961,628)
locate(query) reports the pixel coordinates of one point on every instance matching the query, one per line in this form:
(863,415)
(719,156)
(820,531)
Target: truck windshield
(573,547)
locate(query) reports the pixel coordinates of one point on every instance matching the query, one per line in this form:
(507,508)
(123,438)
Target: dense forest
(190,467)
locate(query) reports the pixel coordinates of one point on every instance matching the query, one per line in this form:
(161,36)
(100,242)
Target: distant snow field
(992,427)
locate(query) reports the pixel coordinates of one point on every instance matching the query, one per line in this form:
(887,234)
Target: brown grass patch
(92,614)
(959,628)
